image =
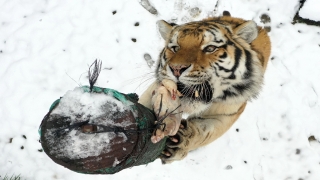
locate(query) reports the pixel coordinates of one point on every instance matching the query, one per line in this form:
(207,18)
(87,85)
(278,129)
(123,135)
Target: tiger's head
(211,60)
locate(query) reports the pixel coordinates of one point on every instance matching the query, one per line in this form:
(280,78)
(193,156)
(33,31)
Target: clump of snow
(310,10)
(77,145)
(115,163)
(80,105)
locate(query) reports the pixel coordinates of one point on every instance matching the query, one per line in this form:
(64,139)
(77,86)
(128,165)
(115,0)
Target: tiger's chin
(196,92)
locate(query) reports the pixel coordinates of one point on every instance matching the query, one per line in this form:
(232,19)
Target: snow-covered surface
(79,105)
(310,10)
(46,47)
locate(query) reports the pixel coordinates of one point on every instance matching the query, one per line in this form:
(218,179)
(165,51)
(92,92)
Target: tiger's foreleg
(163,99)
(197,132)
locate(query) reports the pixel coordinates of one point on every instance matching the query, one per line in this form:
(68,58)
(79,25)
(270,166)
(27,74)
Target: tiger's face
(211,61)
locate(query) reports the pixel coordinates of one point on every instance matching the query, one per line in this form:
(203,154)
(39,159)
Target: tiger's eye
(209,48)
(175,48)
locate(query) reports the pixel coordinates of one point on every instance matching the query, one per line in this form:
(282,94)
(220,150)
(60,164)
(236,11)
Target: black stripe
(232,76)
(248,65)
(223,46)
(237,56)
(230,43)
(228,30)
(162,51)
(223,56)
(213,27)
(162,56)
(160,62)
(227,94)
(186,31)
(213,34)
(215,70)
(218,41)
(158,67)
(241,88)
(222,68)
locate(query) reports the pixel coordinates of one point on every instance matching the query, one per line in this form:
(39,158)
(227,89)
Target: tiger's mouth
(198,92)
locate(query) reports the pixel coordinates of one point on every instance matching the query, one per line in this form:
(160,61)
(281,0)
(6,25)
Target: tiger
(218,65)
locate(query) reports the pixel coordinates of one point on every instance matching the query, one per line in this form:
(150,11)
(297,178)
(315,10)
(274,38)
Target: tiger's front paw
(167,112)
(168,127)
(177,146)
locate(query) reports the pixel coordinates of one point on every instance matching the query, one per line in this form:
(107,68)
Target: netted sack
(99,131)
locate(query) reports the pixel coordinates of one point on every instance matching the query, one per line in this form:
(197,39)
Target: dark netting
(56,129)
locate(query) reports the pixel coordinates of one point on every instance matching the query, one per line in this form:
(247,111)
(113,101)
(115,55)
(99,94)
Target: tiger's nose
(177,70)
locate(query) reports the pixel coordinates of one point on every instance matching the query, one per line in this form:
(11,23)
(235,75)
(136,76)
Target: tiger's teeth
(196,93)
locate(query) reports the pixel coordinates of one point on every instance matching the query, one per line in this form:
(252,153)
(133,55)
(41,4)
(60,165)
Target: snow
(115,162)
(47,46)
(87,105)
(310,10)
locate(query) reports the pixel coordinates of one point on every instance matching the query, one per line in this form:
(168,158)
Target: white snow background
(47,46)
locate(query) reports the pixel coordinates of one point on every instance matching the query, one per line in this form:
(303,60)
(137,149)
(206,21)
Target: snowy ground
(46,47)
(310,10)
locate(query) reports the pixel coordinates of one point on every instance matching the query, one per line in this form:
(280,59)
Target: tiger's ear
(247,31)
(164,29)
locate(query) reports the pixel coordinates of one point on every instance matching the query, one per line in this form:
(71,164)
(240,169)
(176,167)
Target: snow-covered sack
(100,131)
